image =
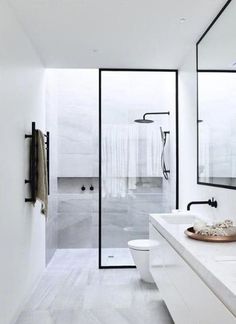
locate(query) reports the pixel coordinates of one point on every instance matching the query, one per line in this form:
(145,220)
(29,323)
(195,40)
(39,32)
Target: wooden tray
(217,239)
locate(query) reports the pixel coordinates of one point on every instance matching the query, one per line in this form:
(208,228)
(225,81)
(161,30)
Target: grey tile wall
(77,123)
(123,219)
(77,213)
(51,228)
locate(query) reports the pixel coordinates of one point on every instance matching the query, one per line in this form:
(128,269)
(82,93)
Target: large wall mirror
(216,73)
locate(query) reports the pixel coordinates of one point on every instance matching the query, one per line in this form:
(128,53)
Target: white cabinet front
(187,297)
(169,293)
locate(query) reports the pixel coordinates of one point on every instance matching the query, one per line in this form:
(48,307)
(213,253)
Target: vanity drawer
(204,304)
(201,302)
(169,293)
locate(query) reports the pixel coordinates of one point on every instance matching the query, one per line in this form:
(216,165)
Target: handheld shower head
(163,163)
(162,135)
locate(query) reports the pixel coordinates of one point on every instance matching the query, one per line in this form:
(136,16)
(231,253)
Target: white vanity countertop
(215,263)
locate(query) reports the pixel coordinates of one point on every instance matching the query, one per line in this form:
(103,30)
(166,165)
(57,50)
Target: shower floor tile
(116,257)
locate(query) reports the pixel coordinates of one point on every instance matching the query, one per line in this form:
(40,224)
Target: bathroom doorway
(138,156)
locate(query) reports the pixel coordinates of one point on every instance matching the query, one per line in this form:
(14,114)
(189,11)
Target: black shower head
(148,121)
(143,121)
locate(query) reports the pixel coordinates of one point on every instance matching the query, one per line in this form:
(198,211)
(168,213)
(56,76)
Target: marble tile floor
(74,291)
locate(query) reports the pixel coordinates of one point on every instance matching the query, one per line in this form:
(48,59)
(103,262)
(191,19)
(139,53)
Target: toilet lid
(142,245)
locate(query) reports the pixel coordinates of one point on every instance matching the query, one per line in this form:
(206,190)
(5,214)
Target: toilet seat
(142,245)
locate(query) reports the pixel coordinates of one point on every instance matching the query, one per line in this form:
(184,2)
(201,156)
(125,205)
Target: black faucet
(211,202)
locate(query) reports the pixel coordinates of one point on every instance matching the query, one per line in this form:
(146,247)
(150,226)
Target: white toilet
(140,250)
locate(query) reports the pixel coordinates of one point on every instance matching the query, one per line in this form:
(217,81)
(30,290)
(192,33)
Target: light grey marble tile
(123,219)
(35,317)
(77,213)
(75,317)
(72,219)
(73,291)
(75,142)
(120,219)
(74,184)
(75,205)
(114,236)
(51,238)
(117,257)
(51,227)
(77,165)
(78,235)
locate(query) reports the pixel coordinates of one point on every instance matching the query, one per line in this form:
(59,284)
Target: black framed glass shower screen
(132,184)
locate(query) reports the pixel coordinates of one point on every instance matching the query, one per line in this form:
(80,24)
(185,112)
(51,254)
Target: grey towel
(42,183)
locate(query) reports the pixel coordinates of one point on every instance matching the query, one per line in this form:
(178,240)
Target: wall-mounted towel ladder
(32,181)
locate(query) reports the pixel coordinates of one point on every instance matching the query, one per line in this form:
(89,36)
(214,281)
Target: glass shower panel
(132,180)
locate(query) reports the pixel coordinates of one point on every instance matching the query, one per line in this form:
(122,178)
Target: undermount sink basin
(179,219)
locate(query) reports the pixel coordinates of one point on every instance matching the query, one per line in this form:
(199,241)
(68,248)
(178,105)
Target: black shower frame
(208,71)
(100,266)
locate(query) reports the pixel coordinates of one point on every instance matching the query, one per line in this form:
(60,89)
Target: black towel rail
(33,176)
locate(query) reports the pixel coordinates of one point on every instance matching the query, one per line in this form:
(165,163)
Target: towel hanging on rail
(42,174)
(39,168)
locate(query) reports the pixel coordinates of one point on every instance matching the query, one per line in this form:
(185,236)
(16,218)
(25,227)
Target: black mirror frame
(202,71)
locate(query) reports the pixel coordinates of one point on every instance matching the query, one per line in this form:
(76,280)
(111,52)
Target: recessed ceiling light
(182,19)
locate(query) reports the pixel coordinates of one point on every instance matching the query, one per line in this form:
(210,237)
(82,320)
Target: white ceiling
(217,48)
(114,33)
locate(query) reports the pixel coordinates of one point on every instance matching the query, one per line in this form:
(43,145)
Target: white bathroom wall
(22,227)
(189,189)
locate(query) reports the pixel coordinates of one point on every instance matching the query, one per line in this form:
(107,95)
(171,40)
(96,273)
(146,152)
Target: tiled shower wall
(77,158)
(72,119)
(77,213)
(77,95)
(123,219)
(127,218)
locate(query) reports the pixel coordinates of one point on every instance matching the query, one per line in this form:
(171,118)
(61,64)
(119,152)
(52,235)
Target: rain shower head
(143,121)
(148,121)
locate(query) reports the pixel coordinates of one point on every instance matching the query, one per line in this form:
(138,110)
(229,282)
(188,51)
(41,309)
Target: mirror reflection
(217,101)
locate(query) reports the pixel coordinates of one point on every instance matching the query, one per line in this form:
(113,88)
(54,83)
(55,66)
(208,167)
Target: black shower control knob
(83,188)
(91,188)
